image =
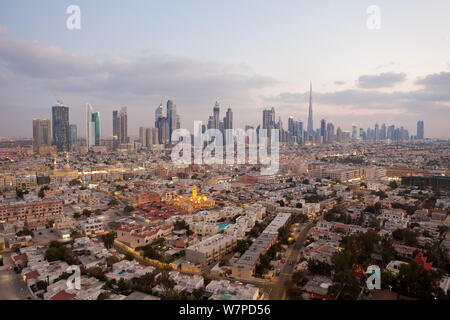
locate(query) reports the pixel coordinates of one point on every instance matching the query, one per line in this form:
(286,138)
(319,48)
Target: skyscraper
(323,130)
(42,135)
(310,115)
(96,122)
(171,117)
(60,125)
(216,115)
(116,129)
(420,130)
(120,127)
(90,127)
(124,125)
(72,138)
(228,120)
(268,119)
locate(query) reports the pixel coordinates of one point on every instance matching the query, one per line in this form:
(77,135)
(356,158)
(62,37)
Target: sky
(249,55)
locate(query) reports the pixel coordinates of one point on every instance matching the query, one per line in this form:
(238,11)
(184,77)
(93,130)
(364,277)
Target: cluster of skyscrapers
(327,134)
(59,134)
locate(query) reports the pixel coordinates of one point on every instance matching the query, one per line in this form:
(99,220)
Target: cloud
(383,80)
(32,70)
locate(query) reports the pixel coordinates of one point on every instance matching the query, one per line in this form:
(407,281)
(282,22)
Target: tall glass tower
(60,125)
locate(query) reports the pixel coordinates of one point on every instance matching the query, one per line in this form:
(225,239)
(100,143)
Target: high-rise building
(228,120)
(72,137)
(171,117)
(90,127)
(355,132)
(60,126)
(158,114)
(310,113)
(42,135)
(96,122)
(339,135)
(116,129)
(120,127)
(216,115)
(330,132)
(420,130)
(323,130)
(268,119)
(124,125)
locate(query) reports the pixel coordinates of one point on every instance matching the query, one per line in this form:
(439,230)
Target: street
(12,286)
(277,292)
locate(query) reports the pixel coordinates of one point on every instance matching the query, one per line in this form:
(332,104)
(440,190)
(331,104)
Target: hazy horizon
(250,55)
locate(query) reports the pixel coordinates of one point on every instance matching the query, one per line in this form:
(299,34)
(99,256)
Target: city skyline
(367,85)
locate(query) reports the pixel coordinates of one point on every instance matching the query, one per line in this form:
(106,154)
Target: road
(278,289)
(11,285)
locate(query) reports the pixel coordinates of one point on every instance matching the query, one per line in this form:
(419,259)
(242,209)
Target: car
(283,261)
(290,263)
(278,272)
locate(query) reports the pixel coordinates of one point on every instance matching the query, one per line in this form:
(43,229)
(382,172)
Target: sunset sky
(250,54)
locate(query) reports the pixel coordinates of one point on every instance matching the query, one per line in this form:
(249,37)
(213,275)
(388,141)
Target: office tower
(291,124)
(420,130)
(116,129)
(42,135)
(229,119)
(383,132)
(60,126)
(72,137)
(216,115)
(155,136)
(390,132)
(354,132)
(330,132)
(96,122)
(124,125)
(323,130)
(158,114)
(120,127)
(310,114)
(339,135)
(171,117)
(268,118)
(376,134)
(211,122)
(90,127)
(143,136)
(149,138)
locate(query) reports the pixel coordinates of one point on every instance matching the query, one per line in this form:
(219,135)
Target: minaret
(310,116)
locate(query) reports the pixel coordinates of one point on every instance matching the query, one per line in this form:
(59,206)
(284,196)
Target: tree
(104,295)
(123,286)
(129,256)
(128,209)
(111,260)
(108,239)
(393,185)
(76,215)
(198,293)
(87,213)
(242,246)
(319,267)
